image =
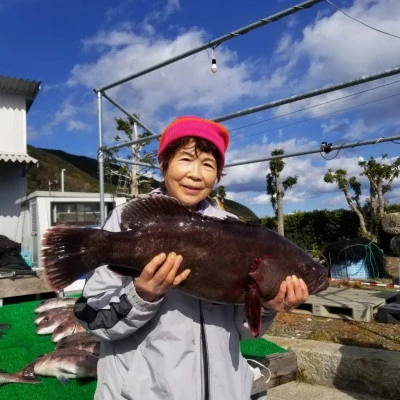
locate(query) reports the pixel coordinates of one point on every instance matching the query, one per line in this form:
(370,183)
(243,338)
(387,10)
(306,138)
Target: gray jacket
(176,348)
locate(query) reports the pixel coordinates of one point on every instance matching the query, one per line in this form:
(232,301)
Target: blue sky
(73,47)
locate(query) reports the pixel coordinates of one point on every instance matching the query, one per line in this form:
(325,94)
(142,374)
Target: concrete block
(352,368)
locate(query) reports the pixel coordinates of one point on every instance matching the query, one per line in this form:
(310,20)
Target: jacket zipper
(204,355)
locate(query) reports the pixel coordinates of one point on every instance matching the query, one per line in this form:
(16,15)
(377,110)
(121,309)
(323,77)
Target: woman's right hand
(160,275)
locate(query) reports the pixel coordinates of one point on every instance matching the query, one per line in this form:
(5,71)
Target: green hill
(46,174)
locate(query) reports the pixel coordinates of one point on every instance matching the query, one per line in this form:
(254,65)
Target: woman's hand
(292,293)
(160,275)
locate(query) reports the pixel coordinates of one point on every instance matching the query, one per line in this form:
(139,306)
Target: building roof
(22,87)
(21,158)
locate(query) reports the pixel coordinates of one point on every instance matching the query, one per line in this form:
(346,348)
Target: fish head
(46,326)
(270,270)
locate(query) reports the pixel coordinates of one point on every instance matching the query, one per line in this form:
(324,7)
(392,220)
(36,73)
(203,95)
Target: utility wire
(322,115)
(360,22)
(313,106)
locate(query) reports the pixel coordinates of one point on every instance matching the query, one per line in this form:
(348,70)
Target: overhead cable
(360,22)
(316,105)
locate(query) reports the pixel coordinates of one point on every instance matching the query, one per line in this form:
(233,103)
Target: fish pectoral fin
(62,379)
(253,308)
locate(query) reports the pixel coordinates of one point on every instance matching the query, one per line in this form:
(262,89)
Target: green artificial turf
(258,348)
(20,345)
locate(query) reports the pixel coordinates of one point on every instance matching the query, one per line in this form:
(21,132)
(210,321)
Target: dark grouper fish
(230,261)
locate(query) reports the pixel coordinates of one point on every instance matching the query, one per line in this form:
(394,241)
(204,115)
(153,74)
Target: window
(75,213)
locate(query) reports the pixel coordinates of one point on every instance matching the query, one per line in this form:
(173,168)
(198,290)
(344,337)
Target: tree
(277,189)
(345,185)
(219,194)
(133,173)
(380,176)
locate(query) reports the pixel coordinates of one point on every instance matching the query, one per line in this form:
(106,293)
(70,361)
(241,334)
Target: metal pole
(141,164)
(135,167)
(131,142)
(100,157)
(302,153)
(137,120)
(62,179)
(214,43)
(317,92)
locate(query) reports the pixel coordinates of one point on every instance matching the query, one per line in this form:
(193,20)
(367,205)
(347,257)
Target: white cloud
(339,47)
(76,125)
(185,85)
(336,49)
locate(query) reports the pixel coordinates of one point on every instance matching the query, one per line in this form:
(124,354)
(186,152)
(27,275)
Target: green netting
(20,345)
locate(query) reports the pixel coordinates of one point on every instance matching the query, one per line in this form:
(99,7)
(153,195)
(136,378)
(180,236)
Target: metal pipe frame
(332,148)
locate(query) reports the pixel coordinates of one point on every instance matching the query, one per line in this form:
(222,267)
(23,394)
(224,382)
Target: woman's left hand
(292,293)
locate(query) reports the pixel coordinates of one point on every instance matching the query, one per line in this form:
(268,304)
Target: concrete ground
(305,391)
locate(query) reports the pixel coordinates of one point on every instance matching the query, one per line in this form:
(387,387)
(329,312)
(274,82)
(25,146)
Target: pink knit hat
(215,133)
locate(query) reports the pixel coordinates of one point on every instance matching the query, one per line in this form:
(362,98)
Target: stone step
(369,371)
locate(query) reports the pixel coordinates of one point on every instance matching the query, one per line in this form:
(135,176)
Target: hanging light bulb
(214,67)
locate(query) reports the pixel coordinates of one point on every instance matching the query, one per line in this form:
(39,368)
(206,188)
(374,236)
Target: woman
(158,343)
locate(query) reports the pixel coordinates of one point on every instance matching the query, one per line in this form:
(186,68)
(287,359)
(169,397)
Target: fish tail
(26,375)
(68,254)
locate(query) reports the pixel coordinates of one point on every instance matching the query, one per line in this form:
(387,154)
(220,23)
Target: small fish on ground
(54,303)
(49,324)
(53,312)
(64,364)
(80,341)
(66,328)
(230,261)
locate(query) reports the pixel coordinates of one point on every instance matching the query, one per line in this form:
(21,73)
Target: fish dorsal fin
(160,207)
(151,208)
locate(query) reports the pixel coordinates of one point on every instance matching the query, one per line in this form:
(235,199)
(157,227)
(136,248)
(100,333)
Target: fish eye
(305,267)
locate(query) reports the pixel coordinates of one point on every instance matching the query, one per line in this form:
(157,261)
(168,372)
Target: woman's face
(190,177)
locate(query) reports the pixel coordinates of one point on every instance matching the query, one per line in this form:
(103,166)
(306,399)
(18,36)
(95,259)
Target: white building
(16,98)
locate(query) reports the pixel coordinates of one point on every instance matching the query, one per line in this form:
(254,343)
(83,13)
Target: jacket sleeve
(109,306)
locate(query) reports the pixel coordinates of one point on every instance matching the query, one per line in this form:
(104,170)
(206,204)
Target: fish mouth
(318,285)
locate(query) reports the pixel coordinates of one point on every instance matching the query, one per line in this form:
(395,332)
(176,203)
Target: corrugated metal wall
(12,187)
(13,123)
